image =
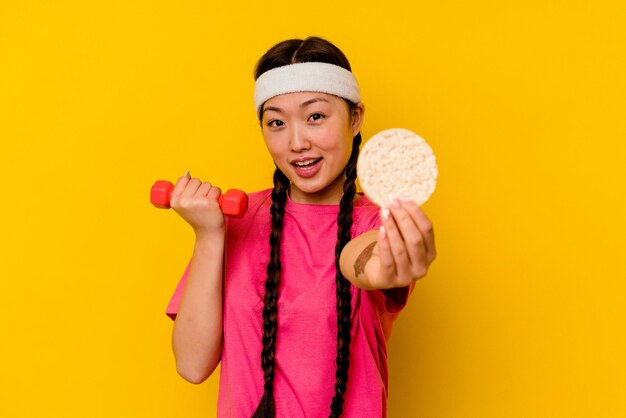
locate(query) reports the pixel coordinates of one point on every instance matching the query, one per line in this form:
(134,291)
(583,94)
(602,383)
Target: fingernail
(385,212)
(405,198)
(395,203)
(382,234)
(187,173)
(390,198)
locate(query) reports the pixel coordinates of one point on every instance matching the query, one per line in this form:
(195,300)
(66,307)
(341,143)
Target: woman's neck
(329,196)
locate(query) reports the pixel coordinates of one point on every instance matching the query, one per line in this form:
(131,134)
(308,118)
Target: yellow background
(522,313)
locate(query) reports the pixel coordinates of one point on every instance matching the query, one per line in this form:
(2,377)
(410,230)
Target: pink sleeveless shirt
(306,341)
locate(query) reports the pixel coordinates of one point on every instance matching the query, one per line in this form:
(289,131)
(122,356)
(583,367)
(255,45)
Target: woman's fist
(197,203)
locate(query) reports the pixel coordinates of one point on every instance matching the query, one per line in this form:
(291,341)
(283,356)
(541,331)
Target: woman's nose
(299,140)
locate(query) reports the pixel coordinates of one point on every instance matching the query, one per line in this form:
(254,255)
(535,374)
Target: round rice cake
(397,162)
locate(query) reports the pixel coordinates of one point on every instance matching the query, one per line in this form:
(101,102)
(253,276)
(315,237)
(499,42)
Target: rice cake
(397,162)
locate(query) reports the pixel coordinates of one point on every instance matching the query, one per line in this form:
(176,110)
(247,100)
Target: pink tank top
(306,341)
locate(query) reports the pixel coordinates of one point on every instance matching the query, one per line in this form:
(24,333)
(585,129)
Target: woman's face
(309,136)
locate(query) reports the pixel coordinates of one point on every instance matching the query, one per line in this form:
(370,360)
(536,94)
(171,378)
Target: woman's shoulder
(259,197)
(364,202)
(258,203)
(260,193)
(365,215)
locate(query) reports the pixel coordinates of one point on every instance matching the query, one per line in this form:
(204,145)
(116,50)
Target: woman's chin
(307,189)
(315,194)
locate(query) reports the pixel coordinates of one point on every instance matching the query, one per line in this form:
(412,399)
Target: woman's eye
(317,116)
(277,123)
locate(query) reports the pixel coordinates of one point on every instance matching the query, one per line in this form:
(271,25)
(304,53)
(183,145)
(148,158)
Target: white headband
(305,76)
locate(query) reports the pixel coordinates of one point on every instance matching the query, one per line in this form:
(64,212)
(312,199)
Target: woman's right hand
(196,202)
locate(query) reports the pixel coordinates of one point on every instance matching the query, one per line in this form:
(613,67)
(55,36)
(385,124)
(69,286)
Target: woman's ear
(357,118)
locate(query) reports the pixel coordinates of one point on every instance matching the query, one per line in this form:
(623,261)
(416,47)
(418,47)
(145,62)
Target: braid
(344,309)
(311,49)
(266,407)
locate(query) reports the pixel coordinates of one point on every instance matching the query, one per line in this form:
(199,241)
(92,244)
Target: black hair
(312,49)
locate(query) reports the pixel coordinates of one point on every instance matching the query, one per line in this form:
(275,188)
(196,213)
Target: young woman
(297,298)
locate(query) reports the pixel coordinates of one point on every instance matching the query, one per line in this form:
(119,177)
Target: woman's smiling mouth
(307,167)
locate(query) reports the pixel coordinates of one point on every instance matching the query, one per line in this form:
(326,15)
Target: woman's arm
(355,255)
(197,334)
(396,255)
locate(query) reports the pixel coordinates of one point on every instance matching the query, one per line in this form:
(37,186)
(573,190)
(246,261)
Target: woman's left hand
(405,247)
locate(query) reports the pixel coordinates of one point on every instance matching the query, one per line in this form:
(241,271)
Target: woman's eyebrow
(302,105)
(275,109)
(313,100)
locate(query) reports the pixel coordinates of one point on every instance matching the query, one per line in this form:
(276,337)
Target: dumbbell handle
(234,203)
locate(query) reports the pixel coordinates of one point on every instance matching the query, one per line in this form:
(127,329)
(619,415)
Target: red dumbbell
(234,203)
